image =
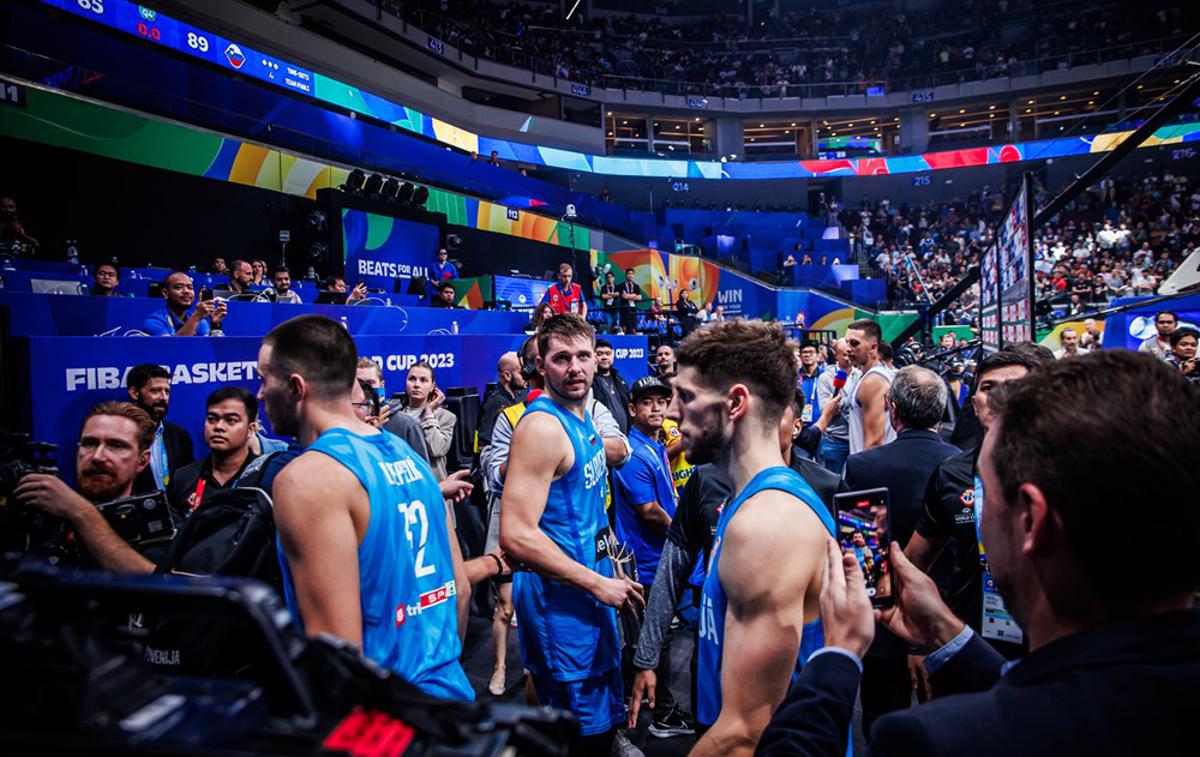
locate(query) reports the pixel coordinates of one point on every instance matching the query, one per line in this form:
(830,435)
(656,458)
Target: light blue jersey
(713,601)
(565,633)
(406,577)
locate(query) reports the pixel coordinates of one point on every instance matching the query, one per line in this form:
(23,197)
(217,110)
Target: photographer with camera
(114,446)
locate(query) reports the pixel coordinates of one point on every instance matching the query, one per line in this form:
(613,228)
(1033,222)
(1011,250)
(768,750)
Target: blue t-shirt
(714,602)
(164,323)
(645,477)
(566,634)
(405,570)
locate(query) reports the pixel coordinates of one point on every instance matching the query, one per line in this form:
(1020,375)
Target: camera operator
(179,318)
(114,446)
(229,414)
(149,388)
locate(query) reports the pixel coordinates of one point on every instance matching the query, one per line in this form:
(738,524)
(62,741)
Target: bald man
(512,389)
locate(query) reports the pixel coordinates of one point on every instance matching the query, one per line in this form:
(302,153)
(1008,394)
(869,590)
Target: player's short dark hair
(234,393)
(317,348)
(868,327)
(603,343)
(1178,334)
(111,265)
(146,426)
(280,269)
(1051,434)
(565,326)
(140,375)
(445,285)
(1028,355)
(753,353)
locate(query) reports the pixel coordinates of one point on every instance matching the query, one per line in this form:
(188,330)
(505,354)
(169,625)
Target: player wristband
(499,565)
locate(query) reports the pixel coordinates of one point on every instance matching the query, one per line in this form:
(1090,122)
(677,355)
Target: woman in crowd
(540,314)
(424,403)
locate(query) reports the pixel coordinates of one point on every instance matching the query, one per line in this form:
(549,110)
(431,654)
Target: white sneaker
(623,747)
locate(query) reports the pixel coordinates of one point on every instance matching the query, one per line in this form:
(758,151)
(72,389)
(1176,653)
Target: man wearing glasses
(107,276)
(179,318)
(1159,345)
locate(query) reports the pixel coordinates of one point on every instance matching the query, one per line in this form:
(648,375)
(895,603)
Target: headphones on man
(529,370)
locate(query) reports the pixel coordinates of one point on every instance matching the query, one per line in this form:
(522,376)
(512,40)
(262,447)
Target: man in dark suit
(915,404)
(1108,609)
(149,387)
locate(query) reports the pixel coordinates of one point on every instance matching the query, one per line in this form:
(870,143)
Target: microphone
(839,381)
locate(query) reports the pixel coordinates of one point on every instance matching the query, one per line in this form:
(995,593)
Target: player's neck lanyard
(199,495)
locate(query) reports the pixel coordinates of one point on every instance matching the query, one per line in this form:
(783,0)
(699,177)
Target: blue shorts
(597,703)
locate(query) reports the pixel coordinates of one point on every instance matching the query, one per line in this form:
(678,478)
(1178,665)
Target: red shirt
(570,301)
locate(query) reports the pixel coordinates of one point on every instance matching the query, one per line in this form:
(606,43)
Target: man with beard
(114,445)
(149,388)
(178,317)
(554,522)
(366,544)
(1109,613)
(229,415)
(736,380)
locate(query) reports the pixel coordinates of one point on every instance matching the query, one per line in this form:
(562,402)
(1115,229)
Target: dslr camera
(22,528)
(140,519)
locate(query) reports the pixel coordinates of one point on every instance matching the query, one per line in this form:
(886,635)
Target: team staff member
(810,371)
(367,546)
(736,380)
(229,414)
(149,387)
(512,388)
(178,317)
(554,522)
(565,297)
(949,512)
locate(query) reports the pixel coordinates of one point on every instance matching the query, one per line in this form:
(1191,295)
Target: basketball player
(554,522)
(757,626)
(868,415)
(365,541)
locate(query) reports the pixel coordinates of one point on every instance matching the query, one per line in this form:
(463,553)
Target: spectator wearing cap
(644,497)
(1159,345)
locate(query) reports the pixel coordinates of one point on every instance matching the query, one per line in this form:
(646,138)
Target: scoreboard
(1006,284)
(149,24)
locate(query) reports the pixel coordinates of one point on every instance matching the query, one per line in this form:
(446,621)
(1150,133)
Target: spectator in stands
(241,277)
(1183,353)
(219,267)
(718,315)
(388,416)
(176,319)
(260,273)
(1069,339)
(495,159)
(336,285)
(512,387)
(229,416)
(441,270)
(106,277)
(14,239)
(685,311)
(424,404)
(540,313)
(149,388)
(445,296)
(565,296)
(114,446)
(609,387)
(665,366)
(1092,336)
(1159,345)
(281,287)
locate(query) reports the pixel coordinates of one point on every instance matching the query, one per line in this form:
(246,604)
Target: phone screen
(206,294)
(863,530)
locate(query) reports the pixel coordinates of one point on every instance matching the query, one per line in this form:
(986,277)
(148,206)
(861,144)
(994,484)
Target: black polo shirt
(694,525)
(185,486)
(949,515)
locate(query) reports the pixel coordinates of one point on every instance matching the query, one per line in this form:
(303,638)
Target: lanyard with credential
(160,466)
(199,495)
(997,622)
